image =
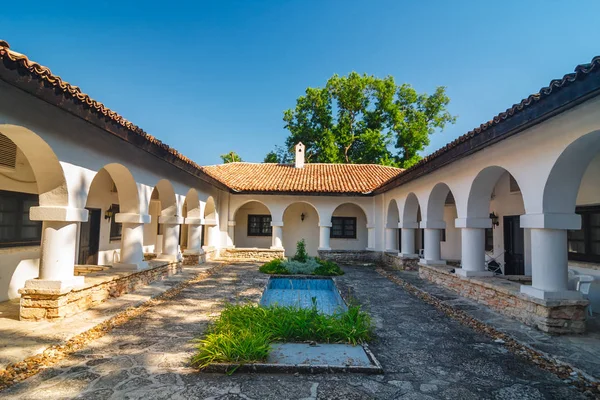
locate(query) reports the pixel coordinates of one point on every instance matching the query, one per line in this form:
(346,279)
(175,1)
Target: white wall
(241,238)
(450,249)
(294,229)
(361,241)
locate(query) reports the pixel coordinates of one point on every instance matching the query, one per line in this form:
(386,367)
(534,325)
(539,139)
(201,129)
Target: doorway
(514,246)
(89,238)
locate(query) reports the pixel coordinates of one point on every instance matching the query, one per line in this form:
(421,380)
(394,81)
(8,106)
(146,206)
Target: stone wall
(44,304)
(394,261)
(210,253)
(251,254)
(350,256)
(194,259)
(553,316)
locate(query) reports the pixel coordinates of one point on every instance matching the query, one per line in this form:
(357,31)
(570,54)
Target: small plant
(274,267)
(327,268)
(244,333)
(304,268)
(301,255)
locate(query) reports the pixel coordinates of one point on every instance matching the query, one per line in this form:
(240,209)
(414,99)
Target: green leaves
(364,119)
(230,157)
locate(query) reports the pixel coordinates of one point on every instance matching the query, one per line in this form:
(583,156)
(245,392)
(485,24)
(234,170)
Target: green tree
(271,157)
(231,157)
(280,155)
(364,119)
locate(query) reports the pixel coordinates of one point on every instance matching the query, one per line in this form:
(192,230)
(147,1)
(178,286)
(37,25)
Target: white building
(81,185)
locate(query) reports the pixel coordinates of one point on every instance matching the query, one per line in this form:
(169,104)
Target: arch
(252,232)
(482,187)
(410,213)
(49,174)
(436,201)
(301,221)
(251,201)
(191,204)
(126,187)
(166,195)
(210,208)
(361,239)
(564,180)
(393,216)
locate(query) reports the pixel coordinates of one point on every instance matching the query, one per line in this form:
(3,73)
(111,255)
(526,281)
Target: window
(343,227)
(489,239)
(16,229)
(259,225)
(116,229)
(584,244)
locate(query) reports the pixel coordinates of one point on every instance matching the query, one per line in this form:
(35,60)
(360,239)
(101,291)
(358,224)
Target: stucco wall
(451,248)
(294,229)
(360,243)
(241,238)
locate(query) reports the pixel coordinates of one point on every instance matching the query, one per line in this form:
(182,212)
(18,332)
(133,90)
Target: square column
(432,242)
(324,236)
(371,237)
(391,239)
(170,250)
(132,239)
(277,238)
(231,234)
(211,235)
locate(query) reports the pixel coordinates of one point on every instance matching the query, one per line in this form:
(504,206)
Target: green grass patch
(243,333)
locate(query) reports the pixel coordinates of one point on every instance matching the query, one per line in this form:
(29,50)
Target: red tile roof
(312,178)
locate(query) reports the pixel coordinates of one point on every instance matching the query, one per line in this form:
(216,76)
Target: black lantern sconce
(302,216)
(110,212)
(495,219)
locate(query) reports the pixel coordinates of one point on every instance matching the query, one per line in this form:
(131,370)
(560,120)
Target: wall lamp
(302,216)
(110,212)
(495,219)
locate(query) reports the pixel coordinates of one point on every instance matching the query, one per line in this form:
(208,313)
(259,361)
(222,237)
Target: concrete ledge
(41,304)
(252,254)
(348,256)
(548,315)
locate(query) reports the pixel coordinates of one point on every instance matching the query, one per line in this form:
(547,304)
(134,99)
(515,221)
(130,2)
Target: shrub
(274,267)
(301,255)
(327,268)
(306,268)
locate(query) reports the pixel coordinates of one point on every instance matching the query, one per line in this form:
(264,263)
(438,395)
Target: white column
(527,255)
(277,238)
(432,242)
(194,236)
(170,228)
(231,234)
(391,239)
(408,243)
(370,237)
(324,235)
(473,253)
(57,250)
(132,239)
(549,255)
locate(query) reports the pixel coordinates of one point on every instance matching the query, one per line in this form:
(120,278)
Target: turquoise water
(300,292)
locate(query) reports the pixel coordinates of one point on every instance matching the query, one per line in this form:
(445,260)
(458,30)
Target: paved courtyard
(426,355)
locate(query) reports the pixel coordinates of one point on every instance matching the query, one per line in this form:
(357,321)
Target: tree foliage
(364,119)
(230,157)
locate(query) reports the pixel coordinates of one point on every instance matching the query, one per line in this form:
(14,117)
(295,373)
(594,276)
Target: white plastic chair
(583,285)
(573,280)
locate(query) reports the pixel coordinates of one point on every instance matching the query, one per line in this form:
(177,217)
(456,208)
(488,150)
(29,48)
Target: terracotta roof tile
(313,178)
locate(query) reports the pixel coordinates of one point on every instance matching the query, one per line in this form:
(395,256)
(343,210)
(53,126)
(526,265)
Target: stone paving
(425,354)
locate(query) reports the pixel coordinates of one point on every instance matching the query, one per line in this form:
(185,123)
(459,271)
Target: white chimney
(299,155)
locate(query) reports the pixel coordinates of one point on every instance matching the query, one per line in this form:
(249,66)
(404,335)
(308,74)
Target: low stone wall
(210,253)
(504,296)
(194,259)
(44,304)
(350,256)
(251,254)
(394,261)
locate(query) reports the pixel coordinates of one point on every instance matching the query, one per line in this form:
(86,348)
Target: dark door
(89,238)
(514,246)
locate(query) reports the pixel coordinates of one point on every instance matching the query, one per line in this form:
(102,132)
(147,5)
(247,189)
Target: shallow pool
(300,292)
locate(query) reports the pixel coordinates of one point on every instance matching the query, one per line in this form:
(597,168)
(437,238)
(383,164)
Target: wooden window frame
(344,235)
(262,220)
(17,240)
(116,229)
(585,212)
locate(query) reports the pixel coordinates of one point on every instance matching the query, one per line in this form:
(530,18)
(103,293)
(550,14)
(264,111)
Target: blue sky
(211,77)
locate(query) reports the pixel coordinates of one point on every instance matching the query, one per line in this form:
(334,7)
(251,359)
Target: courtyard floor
(425,354)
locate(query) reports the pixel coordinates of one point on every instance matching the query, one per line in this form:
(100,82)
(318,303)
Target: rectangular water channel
(302,292)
